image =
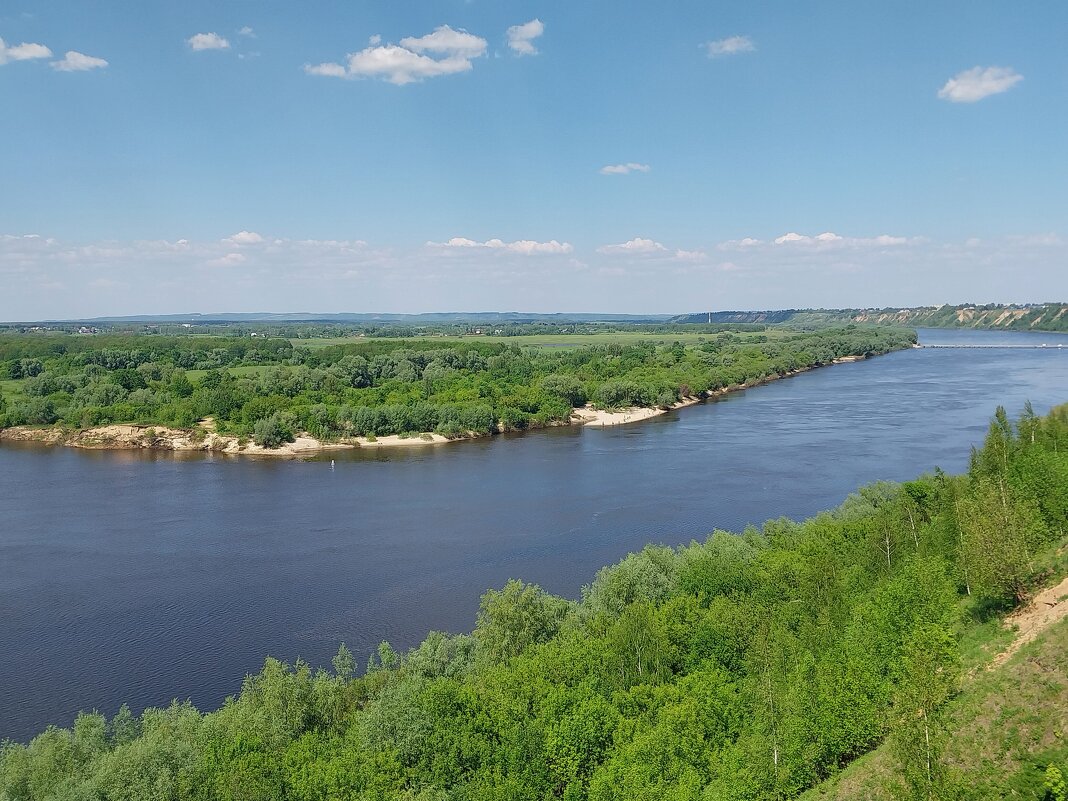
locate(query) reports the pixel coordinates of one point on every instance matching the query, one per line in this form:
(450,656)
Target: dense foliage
(744,667)
(269,389)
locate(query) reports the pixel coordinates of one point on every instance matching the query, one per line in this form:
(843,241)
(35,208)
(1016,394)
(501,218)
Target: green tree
(344,663)
(999,535)
(566,387)
(927,677)
(272,432)
(638,649)
(515,617)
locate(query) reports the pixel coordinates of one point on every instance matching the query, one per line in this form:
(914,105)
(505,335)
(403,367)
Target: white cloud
(521,37)
(448,42)
(827,239)
(246,31)
(886,239)
(244,238)
(73,61)
(399,65)
(329,69)
(207,41)
(649,248)
(228,260)
(739,244)
(624,169)
(636,245)
(730,46)
(408,62)
(22,52)
(375,39)
(979,82)
(527,247)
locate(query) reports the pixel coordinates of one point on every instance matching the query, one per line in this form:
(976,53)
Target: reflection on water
(129,575)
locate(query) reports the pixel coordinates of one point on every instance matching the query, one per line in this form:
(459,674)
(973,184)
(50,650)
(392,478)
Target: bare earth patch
(1045,609)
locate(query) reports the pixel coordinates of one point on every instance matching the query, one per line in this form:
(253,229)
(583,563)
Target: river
(142,577)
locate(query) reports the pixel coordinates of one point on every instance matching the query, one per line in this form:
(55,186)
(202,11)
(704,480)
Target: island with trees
(258,393)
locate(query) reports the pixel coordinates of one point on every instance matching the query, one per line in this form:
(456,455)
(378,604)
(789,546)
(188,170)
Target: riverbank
(203,437)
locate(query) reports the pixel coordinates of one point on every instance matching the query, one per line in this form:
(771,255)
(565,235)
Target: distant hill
(1042,317)
(345,317)
(1021,317)
(1036,317)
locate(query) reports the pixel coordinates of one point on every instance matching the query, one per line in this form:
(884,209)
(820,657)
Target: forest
(751,665)
(268,389)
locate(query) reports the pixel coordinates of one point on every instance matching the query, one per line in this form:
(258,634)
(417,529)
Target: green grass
(12,390)
(553,340)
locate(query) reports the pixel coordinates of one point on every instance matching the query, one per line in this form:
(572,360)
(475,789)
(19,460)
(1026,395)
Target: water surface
(145,577)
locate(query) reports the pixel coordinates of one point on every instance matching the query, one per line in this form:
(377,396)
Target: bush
(272,432)
(513,419)
(34,411)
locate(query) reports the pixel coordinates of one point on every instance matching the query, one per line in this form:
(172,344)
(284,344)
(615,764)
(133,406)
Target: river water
(140,577)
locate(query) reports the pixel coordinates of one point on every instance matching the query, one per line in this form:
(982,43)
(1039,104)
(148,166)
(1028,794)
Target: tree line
(268,388)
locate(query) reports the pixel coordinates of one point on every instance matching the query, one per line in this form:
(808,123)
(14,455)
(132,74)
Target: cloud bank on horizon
(246,269)
(483,154)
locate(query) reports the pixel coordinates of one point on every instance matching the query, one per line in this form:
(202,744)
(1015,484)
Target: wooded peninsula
(235,392)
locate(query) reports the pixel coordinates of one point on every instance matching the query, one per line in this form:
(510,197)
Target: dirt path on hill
(1045,609)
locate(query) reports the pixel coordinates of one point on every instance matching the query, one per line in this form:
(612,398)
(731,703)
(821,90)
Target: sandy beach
(202,438)
(600,418)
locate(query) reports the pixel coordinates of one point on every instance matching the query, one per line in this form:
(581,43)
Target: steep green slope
(1007,726)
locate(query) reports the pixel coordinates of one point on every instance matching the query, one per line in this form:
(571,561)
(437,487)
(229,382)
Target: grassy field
(12,389)
(554,340)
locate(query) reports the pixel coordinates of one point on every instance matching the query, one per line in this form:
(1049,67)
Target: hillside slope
(1038,317)
(1005,727)
(1046,317)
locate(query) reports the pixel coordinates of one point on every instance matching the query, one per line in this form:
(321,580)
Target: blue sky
(452,155)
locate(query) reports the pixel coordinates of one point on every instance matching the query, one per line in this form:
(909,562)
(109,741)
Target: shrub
(272,432)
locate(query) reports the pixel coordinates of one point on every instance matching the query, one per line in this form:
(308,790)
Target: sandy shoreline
(600,418)
(205,438)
